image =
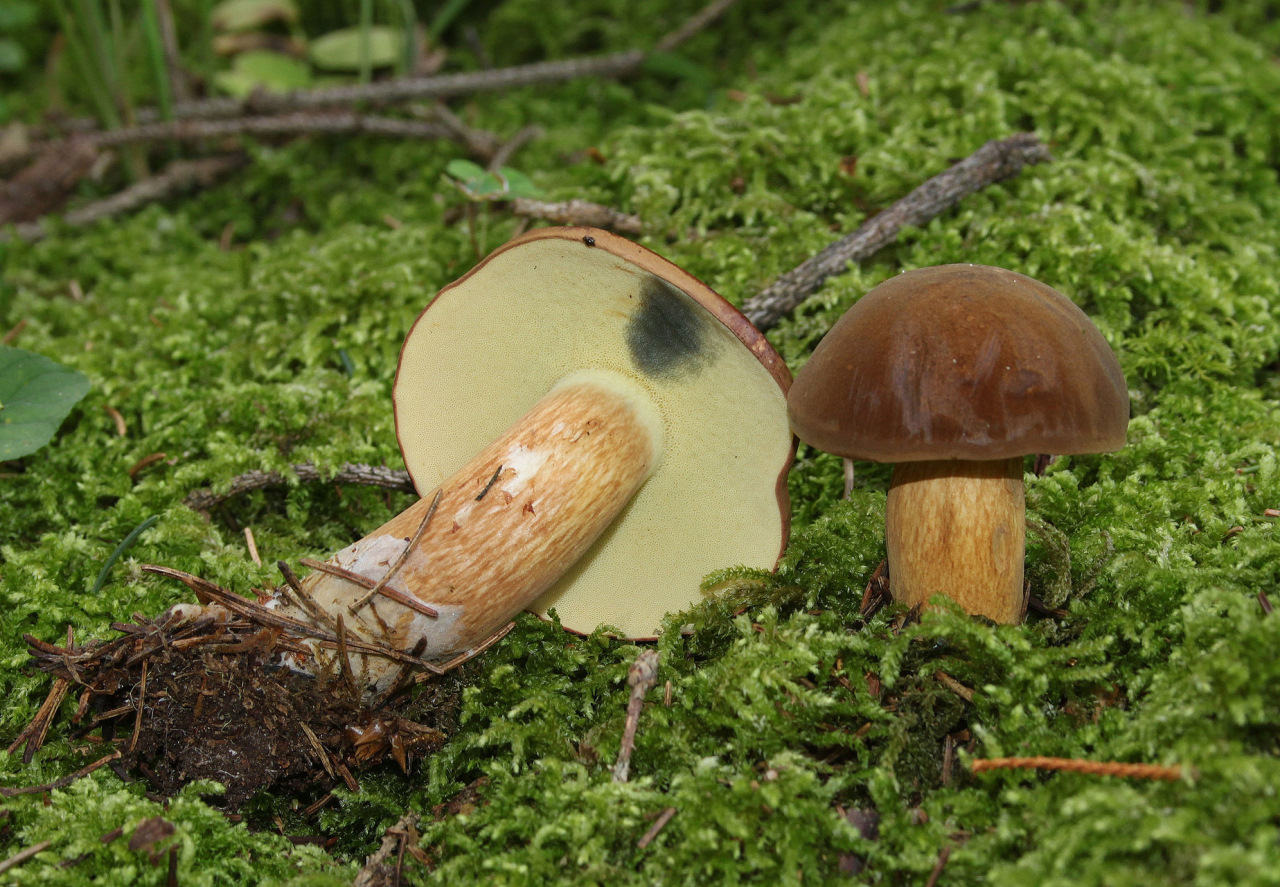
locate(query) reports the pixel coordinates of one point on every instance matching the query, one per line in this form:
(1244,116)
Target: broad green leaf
(272,71)
(36,394)
(340,50)
(248,15)
(480,184)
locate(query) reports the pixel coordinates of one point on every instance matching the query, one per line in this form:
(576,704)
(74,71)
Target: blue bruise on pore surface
(667,336)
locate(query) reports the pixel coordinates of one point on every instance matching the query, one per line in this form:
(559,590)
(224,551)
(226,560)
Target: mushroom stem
(506,527)
(958,528)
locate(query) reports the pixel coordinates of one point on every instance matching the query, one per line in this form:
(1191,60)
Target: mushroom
(955,373)
(600,430)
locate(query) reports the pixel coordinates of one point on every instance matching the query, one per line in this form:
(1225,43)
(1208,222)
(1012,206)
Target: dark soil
(215,706)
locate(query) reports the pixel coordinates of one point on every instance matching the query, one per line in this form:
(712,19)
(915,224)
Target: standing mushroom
(602,430)
(955,373)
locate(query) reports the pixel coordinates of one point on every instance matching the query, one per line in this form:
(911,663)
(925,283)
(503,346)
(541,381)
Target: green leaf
(480,184)
(16,14)
(340,50)
(248,15)
(12,56)
(678,67)
(36,394)
(272,71)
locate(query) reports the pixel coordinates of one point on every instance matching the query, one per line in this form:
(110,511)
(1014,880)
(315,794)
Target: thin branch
(404,556)
(482,143)
(35,732)
(379,869)
(704,17)
(641,676)
(23,855)
(296,123)
(178,176)
(60,783)
(946,680)
(663,818)
(995,161)
(365,582)
(306,472)
(508,149)
(1171,773)
(579,212)
(389,92)
(275,619)
(943,855)
(406,89)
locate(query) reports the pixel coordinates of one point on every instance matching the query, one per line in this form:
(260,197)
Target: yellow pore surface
(496,342)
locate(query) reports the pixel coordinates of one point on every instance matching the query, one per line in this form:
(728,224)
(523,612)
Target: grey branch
(349,473)
(177,177)
(294,124)
(642,675)
(382,869)
(995,161)
(578,212)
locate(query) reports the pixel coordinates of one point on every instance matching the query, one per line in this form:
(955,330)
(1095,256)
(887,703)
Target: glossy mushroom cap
(559,302)
(961,362)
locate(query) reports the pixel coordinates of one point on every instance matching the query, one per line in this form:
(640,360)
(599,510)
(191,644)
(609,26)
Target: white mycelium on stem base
(592,429)
(504,529)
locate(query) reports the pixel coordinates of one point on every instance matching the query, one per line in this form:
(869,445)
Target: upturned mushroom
(955,373)
(593,429)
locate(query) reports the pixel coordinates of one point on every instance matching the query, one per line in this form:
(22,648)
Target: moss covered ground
(1160,216)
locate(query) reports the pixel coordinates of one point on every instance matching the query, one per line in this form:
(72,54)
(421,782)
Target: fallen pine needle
(943,855)
(954,686)
(23,855)
(663,818)
(1074,765)
(253,546)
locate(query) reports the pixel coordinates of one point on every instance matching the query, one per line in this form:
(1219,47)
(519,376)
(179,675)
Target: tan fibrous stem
(504,529)
(958,528)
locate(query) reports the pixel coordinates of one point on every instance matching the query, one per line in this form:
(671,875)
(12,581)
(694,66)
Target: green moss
(1157,217)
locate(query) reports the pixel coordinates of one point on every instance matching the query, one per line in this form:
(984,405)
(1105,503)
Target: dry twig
(399,561)
(641,676)
(965,693)
(63,782)
(382,868)
(297,123)
(943,855)
(995,161)
(578,212)
(348,473)
(178,176)
(663,818)
(23,855)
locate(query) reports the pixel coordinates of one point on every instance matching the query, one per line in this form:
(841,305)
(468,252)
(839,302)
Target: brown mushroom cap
(560,301)
(961,362)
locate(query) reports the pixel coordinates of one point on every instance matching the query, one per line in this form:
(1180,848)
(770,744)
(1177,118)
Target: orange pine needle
(1075,765)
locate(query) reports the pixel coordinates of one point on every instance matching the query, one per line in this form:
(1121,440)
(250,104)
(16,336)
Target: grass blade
(124,546)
